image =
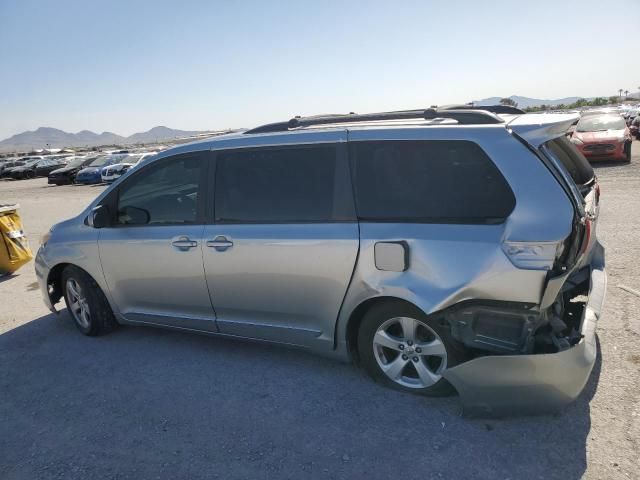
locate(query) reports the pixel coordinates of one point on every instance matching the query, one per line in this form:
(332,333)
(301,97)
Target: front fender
(71,243)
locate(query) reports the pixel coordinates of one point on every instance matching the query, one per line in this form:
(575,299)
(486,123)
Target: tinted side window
(576,164)
(428,181)
(162,193)
(281,185)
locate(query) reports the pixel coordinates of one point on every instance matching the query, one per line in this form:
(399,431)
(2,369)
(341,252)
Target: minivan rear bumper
(532,384)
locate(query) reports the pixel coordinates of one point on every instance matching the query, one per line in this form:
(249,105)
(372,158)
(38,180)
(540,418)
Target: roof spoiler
(538,128)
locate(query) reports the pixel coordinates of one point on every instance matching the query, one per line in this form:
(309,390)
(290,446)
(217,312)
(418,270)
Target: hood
(65,169)
(589,137)
(89,170)
(118,166)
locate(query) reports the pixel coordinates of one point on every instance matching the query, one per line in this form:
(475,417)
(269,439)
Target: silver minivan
(440,249)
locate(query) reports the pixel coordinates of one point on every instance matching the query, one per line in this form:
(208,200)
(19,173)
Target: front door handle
(220,243)
(184,243)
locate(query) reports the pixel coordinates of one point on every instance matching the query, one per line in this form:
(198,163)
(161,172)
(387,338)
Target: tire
(392,318)
(627,152)
(87,305)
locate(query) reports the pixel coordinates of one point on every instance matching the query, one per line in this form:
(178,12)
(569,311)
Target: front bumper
(89,179)
(531,384)
(42,274)
(599,154)
(58,180)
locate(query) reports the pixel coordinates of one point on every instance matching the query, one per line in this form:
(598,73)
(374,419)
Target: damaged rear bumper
(531,384)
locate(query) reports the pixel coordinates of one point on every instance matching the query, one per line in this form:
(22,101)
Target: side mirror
(100,216)
(133,216)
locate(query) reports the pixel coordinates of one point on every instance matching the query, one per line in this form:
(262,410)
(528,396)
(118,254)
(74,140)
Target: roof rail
(488,108)
(468,116)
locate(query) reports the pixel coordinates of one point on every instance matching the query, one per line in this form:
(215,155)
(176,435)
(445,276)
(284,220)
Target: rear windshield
(576,164)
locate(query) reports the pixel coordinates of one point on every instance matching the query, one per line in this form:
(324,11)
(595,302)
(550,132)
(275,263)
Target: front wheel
(401,347)
(627,152)
(86,303)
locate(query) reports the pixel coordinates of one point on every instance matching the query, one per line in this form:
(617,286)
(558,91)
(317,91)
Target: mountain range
(45,137)
(524,102)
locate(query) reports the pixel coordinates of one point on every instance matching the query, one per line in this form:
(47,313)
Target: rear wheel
(403,348)
(86,303)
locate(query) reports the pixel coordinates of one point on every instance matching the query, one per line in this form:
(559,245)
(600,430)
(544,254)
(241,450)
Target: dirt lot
(144,403)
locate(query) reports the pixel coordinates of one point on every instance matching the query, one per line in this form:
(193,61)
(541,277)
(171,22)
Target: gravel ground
(144,403)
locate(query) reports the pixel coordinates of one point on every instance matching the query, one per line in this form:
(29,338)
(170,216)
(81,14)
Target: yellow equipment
(14,248)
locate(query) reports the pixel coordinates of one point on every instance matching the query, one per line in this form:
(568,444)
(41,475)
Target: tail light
(533,255)
(588,227)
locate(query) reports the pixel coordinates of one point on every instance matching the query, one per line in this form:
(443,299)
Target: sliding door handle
(184,243)
(220,243)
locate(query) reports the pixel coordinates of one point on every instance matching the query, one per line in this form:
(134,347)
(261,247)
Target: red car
(603,137)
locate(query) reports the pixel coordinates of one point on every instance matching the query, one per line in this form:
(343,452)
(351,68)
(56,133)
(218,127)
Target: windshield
(29,163)
(98,162)
(600,123)
(132,159)
(76,162)
(117,158)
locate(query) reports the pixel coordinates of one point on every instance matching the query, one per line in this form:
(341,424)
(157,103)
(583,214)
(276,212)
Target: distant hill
(158,134)
(524,102)
(54,138)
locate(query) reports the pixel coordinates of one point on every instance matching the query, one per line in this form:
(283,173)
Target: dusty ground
(144,403)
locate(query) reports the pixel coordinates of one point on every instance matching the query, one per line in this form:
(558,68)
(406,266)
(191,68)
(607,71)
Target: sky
(127,65)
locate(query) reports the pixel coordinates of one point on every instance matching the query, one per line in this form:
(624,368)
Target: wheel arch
(54,282)
(358,313)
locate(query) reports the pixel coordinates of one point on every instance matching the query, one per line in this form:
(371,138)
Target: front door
(152,254)
(280,256)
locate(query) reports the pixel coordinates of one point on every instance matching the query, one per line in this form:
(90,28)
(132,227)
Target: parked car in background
(112,172)
(7,172)
(48,165)
(92,173)
(634,128)
(8,164)
(67,174)
(603,137)
(631,115)
(29,169)
(437,248)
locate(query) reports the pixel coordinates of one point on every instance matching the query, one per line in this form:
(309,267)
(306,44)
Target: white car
(112,172)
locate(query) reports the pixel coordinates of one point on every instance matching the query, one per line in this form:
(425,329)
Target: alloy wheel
(78,303)
(409,352)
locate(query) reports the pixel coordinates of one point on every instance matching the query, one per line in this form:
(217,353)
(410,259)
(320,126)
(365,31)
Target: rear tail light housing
(533,255)
(588,231)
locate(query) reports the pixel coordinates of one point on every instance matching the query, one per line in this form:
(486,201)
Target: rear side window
(428,182)
(576,164)
(282,185)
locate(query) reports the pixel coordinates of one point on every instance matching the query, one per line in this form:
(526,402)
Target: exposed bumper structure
(530,384)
